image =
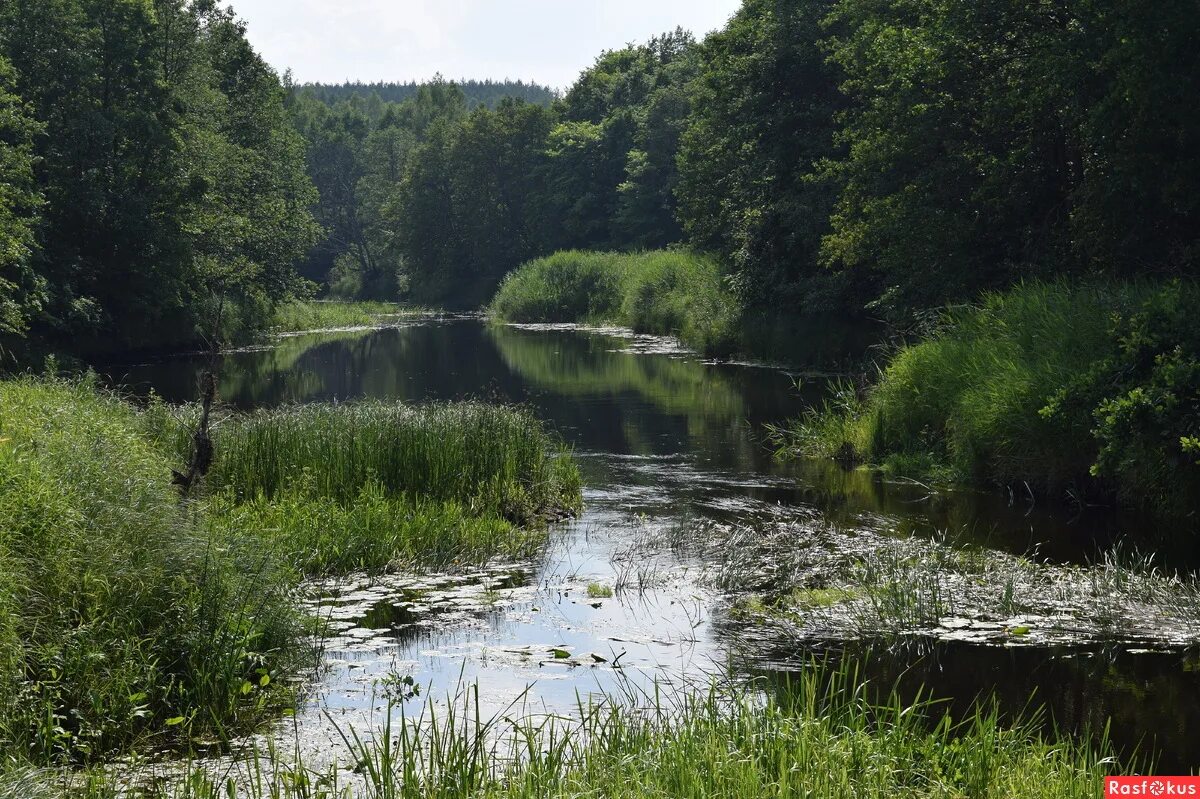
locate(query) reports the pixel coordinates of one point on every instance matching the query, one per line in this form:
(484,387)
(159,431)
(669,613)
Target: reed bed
(300,316)
(492,460)
(1078,389)
(374,532)
(665,292)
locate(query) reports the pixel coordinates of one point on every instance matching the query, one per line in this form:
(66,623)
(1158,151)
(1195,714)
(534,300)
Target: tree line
(844,154)
(152,184)
(833,154)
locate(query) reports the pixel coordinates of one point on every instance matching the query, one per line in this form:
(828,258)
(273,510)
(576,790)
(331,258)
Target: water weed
(820,733)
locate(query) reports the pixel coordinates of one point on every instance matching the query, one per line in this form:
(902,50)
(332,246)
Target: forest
(886,162)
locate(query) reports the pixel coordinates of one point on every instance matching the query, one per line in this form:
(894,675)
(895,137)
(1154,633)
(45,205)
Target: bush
(1092,387)
(663,292)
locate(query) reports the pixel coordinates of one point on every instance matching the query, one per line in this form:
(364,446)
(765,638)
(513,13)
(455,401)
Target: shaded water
(664,439)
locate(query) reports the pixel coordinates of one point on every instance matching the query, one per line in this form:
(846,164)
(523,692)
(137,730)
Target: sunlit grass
(664,292)
(490,459)
(823,734)
(324,315)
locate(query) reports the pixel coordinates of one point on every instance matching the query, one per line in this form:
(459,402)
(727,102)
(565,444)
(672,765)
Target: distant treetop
(487,93)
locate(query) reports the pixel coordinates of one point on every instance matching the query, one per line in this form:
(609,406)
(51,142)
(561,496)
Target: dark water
(664,438)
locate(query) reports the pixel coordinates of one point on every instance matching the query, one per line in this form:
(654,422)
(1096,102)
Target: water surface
(665,440)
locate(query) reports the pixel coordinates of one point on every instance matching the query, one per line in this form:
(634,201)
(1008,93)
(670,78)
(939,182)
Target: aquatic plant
(374,531)
(820,734)
(310,315)
(1072,389)
(490,459)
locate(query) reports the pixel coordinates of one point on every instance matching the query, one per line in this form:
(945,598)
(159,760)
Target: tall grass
(1057,386)
(490,459)
(120,616)
(310,315)
(820,735)
(374,531)
(664,292)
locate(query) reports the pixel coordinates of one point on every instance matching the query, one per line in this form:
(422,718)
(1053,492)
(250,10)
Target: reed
(301,316)
(492,460)
(821,734)
(671,292)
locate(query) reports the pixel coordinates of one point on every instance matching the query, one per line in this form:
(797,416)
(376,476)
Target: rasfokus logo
(1151,786)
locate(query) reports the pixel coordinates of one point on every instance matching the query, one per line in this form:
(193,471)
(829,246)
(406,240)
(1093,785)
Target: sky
(547,41)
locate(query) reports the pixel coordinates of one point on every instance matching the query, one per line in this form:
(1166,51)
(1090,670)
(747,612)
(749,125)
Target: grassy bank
(129,617)
(121,617)
(1090,390)
(666,292)
(818,736)
(327,315)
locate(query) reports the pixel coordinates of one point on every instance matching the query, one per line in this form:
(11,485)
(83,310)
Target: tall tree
(764,119)
(21,289)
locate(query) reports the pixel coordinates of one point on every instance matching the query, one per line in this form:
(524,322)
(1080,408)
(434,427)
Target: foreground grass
(818,736)
(1064,388)
(299,316)
(130,617)
(119,617)
(666,292)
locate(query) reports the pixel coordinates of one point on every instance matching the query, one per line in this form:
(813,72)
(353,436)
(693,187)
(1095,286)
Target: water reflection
(671,438)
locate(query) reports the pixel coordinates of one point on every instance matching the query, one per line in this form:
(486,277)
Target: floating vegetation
(820,582)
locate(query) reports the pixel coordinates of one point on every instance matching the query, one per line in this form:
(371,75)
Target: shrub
(119,614)
(1095,387)
(663,292)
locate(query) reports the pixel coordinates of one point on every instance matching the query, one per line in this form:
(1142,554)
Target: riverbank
(131,618)
(1087,392)
(812,736)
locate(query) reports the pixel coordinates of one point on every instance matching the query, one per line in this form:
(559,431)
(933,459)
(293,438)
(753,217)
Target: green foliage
(819,734)
(763,121)
(1046,384)
(294,317)
(20,288)
(991,141)
(172,179)
(466,205)
(375,530)
(490,459)
(489,93)
(666,292)
(119,612)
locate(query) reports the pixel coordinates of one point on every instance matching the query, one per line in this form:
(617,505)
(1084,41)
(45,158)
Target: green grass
(129,617)
(664,292)
(1087,388)
(122,618)
(376,531)
(490,459)
(312,315)
(820,735)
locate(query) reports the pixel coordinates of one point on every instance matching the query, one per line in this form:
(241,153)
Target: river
(667,443)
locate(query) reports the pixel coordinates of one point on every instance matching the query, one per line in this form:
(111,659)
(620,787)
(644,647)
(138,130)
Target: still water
(666,441)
